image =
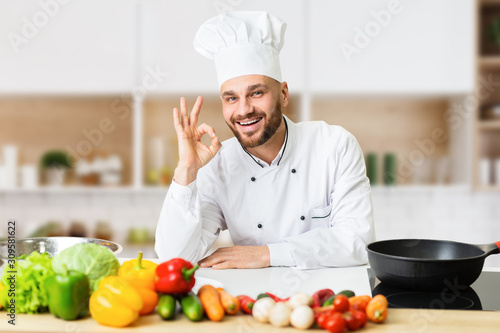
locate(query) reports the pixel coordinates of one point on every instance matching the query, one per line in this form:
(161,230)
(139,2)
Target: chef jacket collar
(277,160)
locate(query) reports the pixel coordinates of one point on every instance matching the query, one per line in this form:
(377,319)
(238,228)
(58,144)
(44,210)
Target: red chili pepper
(175,276)
(277,299)
(321,296)
(246,303)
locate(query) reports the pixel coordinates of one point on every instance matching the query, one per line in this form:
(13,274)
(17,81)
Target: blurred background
(87,145)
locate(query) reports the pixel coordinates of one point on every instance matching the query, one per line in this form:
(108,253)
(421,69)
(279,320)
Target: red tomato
(335,323)
(360,316)
(351,322)
(341,303)
(322,319)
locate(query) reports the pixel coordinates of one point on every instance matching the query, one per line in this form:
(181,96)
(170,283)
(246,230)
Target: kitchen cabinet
(330,46)
(61,47)
(167,31)
(391,47)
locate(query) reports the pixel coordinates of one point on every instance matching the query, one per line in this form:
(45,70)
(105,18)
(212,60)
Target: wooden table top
(398,320)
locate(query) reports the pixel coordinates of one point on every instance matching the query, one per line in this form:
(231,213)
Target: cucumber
(348,293)
(166,307)
(191,306)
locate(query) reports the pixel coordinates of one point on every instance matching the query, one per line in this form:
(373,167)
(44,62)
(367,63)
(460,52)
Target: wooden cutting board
(399,320)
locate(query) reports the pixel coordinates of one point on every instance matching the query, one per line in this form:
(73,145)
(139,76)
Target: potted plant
(55,165)
(493,31)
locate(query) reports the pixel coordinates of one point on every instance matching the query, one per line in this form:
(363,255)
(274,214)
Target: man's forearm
(238,257)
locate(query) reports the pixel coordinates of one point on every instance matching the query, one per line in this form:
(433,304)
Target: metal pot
(52,245)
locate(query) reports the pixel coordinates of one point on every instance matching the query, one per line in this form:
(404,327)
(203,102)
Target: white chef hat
(242,43)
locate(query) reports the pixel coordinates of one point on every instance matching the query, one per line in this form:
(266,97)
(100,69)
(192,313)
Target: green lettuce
(93,260)
(28,292)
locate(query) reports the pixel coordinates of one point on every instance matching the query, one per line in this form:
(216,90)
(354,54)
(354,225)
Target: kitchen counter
(283,282)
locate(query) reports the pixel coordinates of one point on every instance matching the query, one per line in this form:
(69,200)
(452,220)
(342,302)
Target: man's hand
(238,257)
(193,154)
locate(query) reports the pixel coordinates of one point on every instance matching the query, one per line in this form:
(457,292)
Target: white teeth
(250,122)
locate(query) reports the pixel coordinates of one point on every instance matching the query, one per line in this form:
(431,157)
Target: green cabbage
(93,260)
(29,292)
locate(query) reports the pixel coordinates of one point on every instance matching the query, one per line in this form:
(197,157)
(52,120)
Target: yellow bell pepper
(141,275)
(115,302)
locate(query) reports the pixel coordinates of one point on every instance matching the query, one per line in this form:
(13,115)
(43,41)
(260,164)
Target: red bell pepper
(246,303)
(175,276)
(321,296)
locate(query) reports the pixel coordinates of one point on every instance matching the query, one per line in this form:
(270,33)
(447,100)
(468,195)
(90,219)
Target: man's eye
(231,99)
(257,93)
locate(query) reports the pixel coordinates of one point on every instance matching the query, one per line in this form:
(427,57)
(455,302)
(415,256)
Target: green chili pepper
(69,294)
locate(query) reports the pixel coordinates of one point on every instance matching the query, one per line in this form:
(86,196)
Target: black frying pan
(424,264)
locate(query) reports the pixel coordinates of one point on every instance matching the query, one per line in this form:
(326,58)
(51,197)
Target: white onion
(261,309)
(300,299)
(302,317)
(279,315)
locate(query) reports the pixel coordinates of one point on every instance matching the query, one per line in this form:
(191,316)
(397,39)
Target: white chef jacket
(311,206)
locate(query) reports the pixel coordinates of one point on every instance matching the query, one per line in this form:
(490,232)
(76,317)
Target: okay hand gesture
(193,154)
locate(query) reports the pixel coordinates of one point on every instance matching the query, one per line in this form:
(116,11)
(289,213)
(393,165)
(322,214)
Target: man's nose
(244,107)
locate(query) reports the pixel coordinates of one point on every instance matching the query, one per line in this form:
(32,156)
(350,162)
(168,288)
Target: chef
(290,194)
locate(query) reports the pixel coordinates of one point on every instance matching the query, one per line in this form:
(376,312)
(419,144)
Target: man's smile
(249,125)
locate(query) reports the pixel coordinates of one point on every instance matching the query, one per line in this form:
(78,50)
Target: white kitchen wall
(453,213)
(67,47)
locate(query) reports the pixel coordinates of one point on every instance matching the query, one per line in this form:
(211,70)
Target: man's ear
(284,94)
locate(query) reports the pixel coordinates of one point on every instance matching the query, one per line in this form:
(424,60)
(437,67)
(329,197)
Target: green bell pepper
(69,294)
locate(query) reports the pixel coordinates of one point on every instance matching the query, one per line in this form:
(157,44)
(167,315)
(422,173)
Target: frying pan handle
(490,248)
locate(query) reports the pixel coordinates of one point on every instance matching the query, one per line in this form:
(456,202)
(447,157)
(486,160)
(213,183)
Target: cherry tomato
(360,316)
(351,322)
(341,303)
(335,323)
(322,319)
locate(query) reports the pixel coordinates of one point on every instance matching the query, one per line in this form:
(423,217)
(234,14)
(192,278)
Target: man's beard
(270,128)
